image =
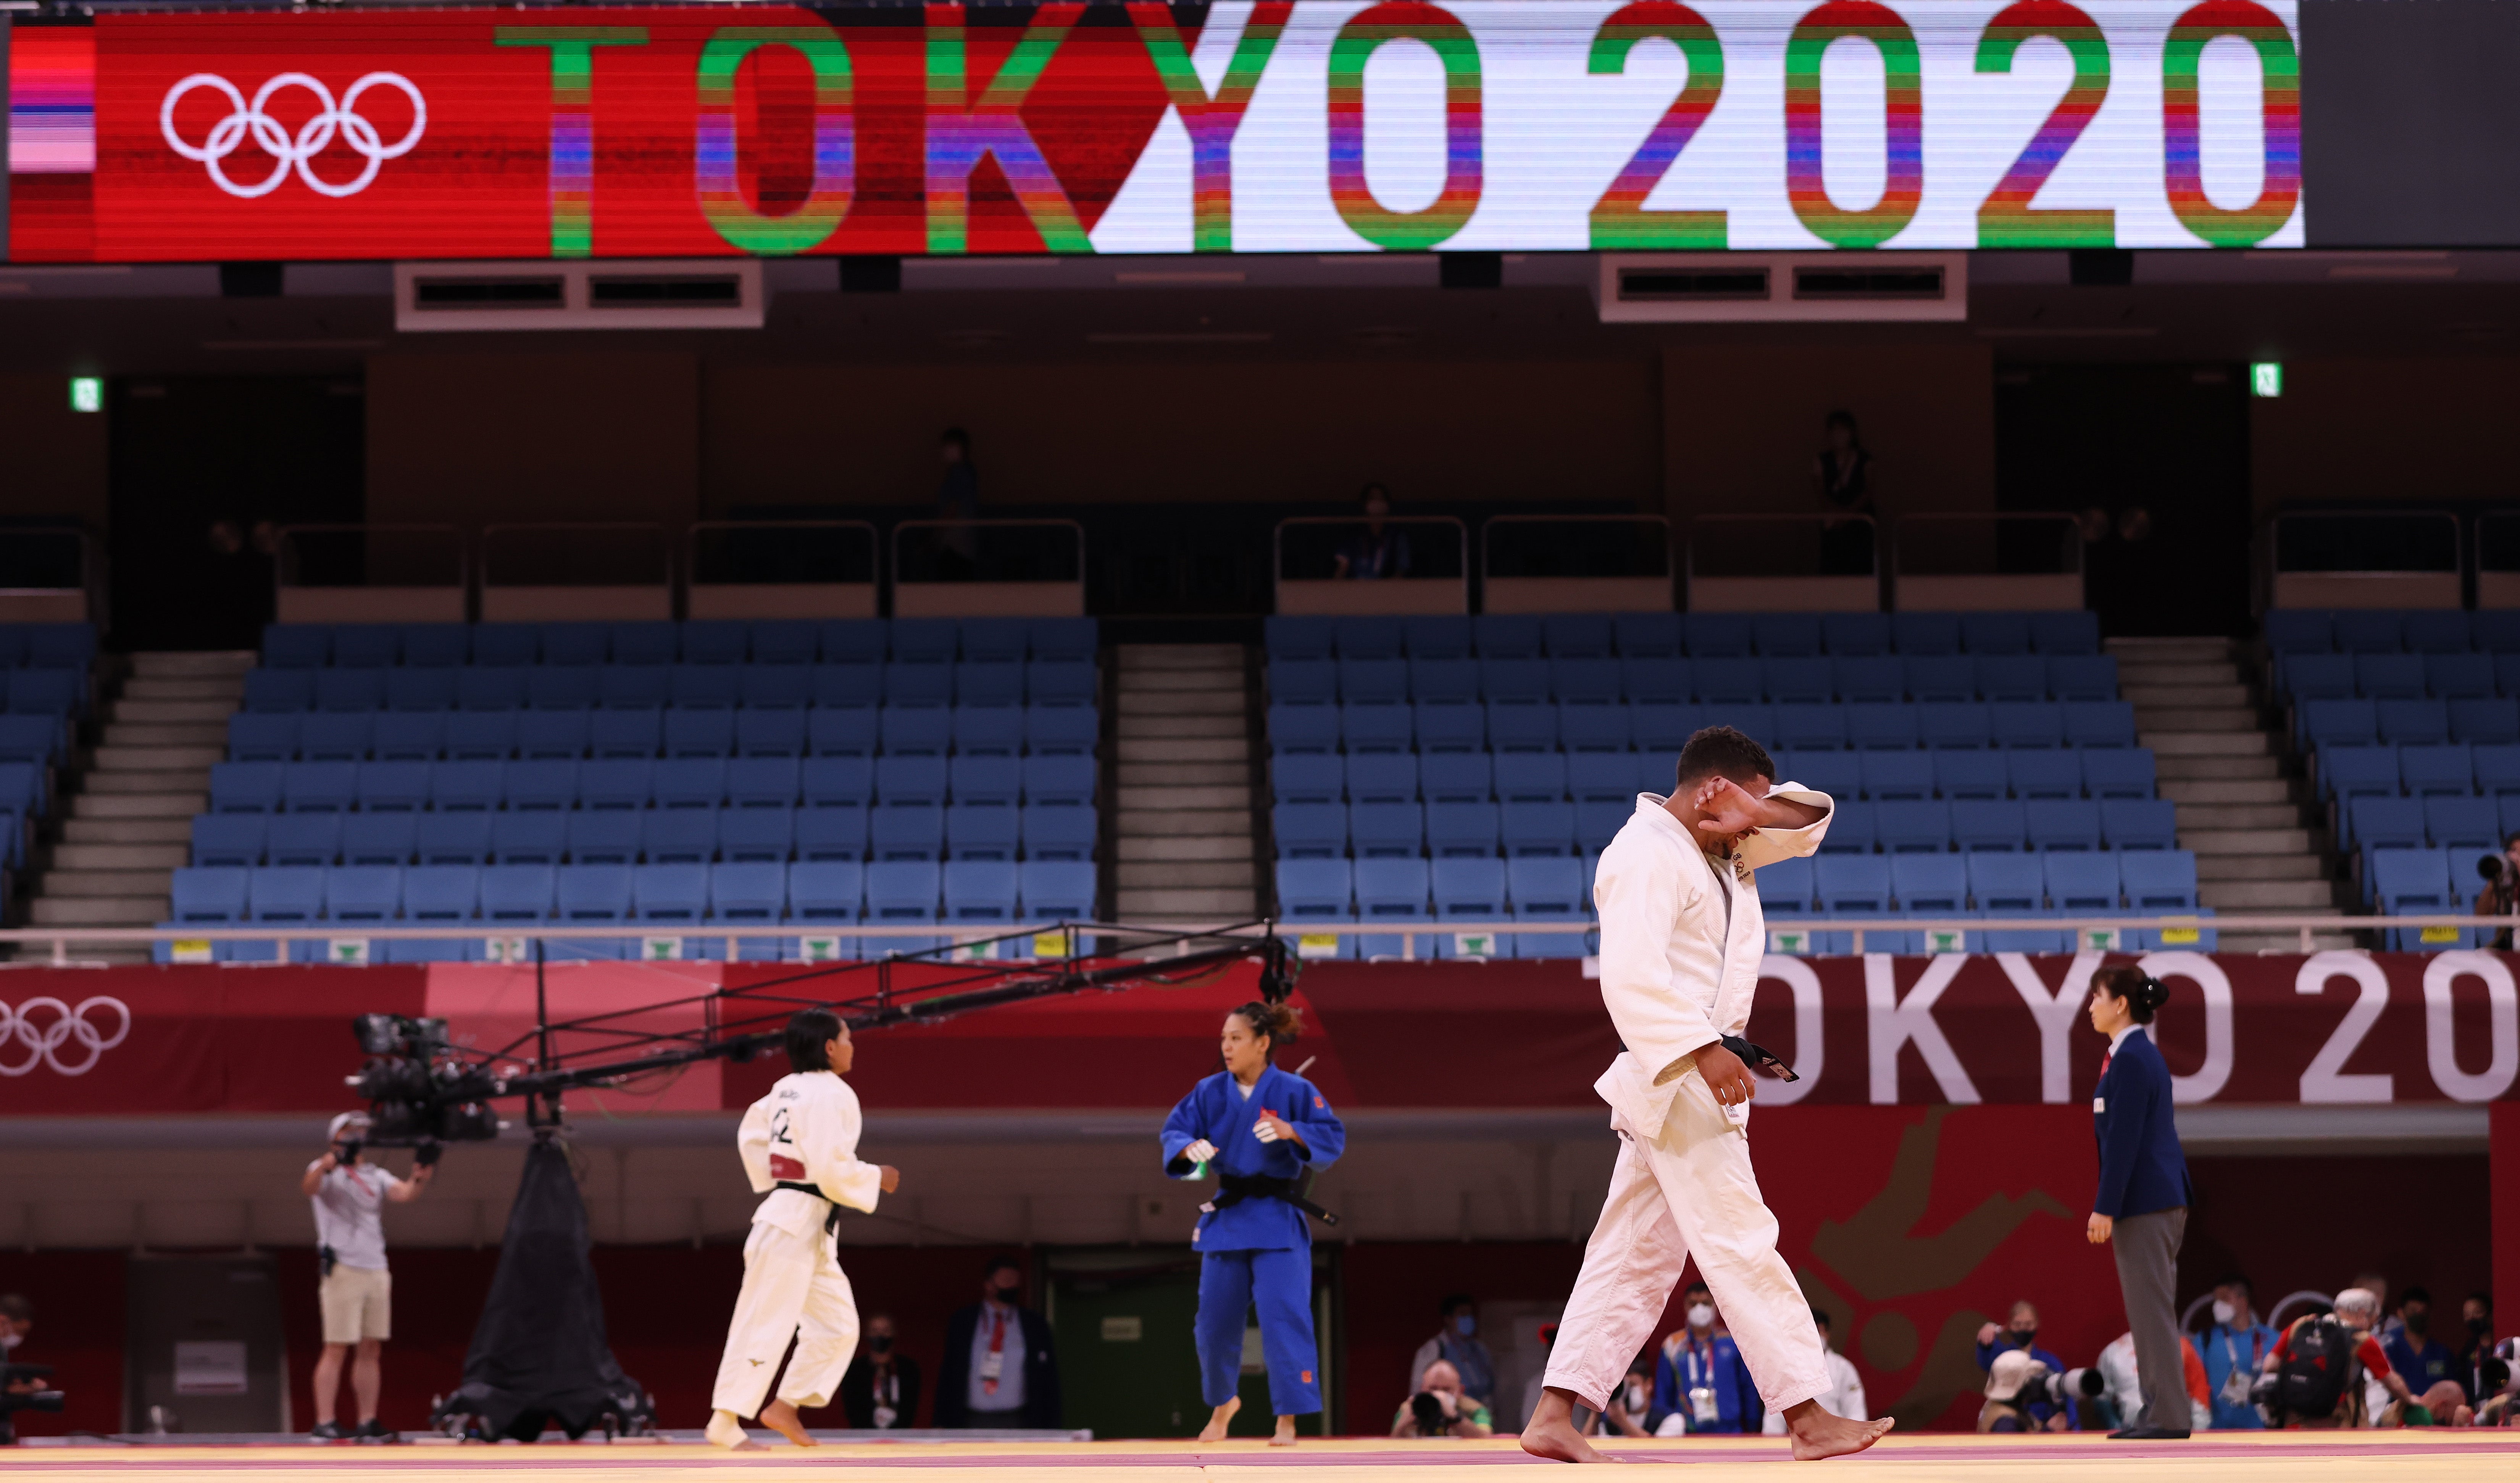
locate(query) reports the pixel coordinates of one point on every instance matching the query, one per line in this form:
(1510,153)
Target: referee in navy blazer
(2142,1204)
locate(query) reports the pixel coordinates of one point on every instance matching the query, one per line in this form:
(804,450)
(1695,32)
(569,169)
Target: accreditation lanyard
(1702,1385)
(994,1363)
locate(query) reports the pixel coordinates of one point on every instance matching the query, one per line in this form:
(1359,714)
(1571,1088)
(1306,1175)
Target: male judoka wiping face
(800,1147)
(1681,939)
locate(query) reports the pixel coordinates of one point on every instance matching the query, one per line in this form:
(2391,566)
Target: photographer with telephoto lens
(355,1291)
(2501,894)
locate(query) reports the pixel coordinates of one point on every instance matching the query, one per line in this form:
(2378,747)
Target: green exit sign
(87,393)
(2266,378)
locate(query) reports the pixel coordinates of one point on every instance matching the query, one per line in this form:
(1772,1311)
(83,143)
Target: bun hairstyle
(1275,1023)
(2144,995)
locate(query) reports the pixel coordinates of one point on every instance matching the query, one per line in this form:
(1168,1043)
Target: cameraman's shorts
(357,1304)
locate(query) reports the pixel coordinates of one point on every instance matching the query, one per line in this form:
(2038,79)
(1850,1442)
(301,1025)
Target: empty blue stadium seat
(2464,824)
(756,833)
(688,782)
(1447,679)
(906,832)
(1589,681)
(921,641)
(2484,720)
(1317,891)
(2411,883)
(2388,820)
(1728,681)
(2413,722)
(1840,775)
(1303,681)
(610,836)
(2118,772)
(836,732)
(2317,676)
(328,737)
(1300,729)
(303,839)
(1935,677)
(918,684)
(1803,726)
(2458,676)
(2139,824)
(917,730)
(2429,770)
(1059,831)
(228,840)
(1065,638)
(835,891)
(1785,888)
(1850,829)
(310,787)
(1060,682)
(1461,830)
(1954,724)
(1577,636)
(551,733)
(858,686)
(1875,726)
(2297,630)
(2159,881)
(1299,638)
(1986,824)
(2074,632)
(2495,632)
(2027,723)
(1377,680)
(1374,638)
(2083,677)
(420,690)
(1995,633)
(2013,677)
(1658,679)
(1876,679)
(297,646)
(748,894)
(1648,635)
(616,782)
(1506,636)
(1467,890)
(2389,676)
(1386,829)
(1517,727)
(1898,775)
(1384,726)
(1785,635)
(1848,884)
(350,689)
(1854,634)
(2051,774)
(1311,776)
(362,893)
(1967,774)
(390,786)
(866,640)
(449,838)
(1465,777)
(1719,635)
(1068,731)
(2374,630)
(254,736)
(1552,890)
(2062,824)
(836,833)
(366,646)
(272,691)
(1810,679)
(1057,890)
(2008,883)
(994,641)
(982,892)
(2082,881)
(1437,637)
(1938,884)
(1661,728)
(1393,891)
(2099,723)
(1523,778)
(405,736)
(1586,728)
(1904,824)
(487,690)
(2497,769)
(1534,828)
(1925,632)
(982,831)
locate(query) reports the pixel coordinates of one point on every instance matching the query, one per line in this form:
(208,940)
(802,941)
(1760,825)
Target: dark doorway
(2159,457)
(203,469)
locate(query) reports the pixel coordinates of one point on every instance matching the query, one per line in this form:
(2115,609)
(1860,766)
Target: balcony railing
(571,572)
(782,570)
(1987,562)
(1784,564)
(2361,558)
(1575,563)
(988,568)
(372,574)
(1348,567)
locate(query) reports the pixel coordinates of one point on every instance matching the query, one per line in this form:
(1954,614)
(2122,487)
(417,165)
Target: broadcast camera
(419,1089)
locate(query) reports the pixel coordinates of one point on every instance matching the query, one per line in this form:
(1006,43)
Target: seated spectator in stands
(1701,1384)
(880,1391)
(2501,898)
(2476,1345)
(1377,552)
(1439,1409)
(2423,1362)
(1632,1413)
(1843,475)
(2125,1398)
(2020,1331)
(1458,1343)
(2338,1402)
(1000,1369)
(1845,1395)
(2234,1346)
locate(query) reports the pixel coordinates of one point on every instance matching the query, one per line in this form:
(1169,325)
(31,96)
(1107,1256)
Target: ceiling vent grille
(587,295)
(1685,288)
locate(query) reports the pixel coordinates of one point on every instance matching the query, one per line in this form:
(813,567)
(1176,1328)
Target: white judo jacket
(1681,935)
(806,1131)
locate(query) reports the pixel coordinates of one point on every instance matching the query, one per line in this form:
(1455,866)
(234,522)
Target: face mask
(1701,1316)
(2418,1321)
(2224,1313)
(1637,1398)
(2478,1327)
(2022,1338)
(1465,1325)
(880,1343)
(1005,1292)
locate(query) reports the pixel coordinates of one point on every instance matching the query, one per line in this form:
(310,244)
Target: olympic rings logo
(293,150)
(71,1027)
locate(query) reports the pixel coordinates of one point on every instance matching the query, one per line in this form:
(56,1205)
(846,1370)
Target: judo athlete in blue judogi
(1262,1130)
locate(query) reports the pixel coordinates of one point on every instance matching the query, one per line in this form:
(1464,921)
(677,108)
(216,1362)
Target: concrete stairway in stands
(1182,833)
(2259,847)
(128,815)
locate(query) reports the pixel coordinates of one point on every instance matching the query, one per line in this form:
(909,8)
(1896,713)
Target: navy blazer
(2142,1167)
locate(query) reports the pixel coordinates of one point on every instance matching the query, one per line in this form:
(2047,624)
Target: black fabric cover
(539,1354)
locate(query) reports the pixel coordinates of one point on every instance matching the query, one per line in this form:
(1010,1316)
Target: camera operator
(19,1390)
(2141,1207)
(2501,894)
(1440,1410)
(355,1291)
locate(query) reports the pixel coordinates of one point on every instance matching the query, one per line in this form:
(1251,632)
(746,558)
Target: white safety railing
(2114,925)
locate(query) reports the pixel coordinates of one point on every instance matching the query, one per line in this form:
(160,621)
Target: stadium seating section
(2411,723)
(45,691)
(1425,770)
(775,781)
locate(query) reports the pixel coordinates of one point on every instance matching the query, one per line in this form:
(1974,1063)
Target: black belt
(1234,1188)
(831,1222)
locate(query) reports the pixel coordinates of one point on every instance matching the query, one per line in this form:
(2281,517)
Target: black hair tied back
(2144,995)
(1275,1023)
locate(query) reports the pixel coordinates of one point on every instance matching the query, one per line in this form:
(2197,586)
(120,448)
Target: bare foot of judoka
(781,1416)
(1817,1434)
(1551,1433)
(1284,1435)
(726,1429)
(1221,1418)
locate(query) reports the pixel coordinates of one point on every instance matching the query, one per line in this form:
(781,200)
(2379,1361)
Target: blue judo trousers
(1256,1255)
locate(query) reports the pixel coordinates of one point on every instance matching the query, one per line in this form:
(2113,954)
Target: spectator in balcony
(957,504)
(2019,1331)
(1439,1409)
(1377,553)
(1457,1344)
(2233,1347)
(1843,475)
(880,1392)
(2502,897)
(1700,1380)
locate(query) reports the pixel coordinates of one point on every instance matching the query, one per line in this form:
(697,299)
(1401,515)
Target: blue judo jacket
(1216,1110)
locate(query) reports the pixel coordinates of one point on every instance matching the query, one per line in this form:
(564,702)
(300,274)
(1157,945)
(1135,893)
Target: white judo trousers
(1691,1189)
(792,1288)
(1681,935)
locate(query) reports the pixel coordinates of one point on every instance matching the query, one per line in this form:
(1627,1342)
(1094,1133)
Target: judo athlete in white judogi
(800,1147)
(1682,934)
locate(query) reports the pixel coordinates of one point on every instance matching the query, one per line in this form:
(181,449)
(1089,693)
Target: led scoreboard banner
(1312,126)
